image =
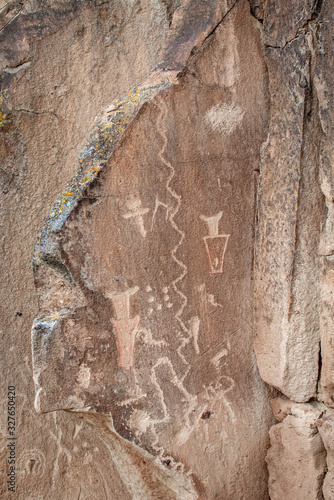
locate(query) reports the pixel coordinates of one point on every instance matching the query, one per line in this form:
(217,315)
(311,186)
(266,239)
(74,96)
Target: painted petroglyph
(137,214)
(215,243)
(224,118)
(126,328)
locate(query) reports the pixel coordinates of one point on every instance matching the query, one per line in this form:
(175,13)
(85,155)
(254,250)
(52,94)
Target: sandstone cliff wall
(180,286)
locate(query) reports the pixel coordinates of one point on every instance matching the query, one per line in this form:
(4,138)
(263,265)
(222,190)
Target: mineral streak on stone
(287,293)
(297,457)
(191,317)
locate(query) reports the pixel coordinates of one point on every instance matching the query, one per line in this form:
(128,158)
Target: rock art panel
(147,264)
(61,63)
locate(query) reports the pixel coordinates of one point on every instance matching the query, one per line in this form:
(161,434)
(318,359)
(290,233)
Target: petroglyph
(194,328)
(213,222)
(215,395)
(215,243)
(60,448)
(83,377)
(187,405)
(171,213)
(224,118)
(140,422)
(211,300)
(146,335)
(158,204)
(216,359)
(136,213)
(126,328)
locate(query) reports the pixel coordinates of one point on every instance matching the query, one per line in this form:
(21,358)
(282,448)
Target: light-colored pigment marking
(215,243)
(136,213)
(216,359)
(171,213)
(83,376)
(126,327)
(224,118)
(194,328)
(211,300)
(160,203)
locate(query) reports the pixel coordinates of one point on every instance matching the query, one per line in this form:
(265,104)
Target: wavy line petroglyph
(172,213)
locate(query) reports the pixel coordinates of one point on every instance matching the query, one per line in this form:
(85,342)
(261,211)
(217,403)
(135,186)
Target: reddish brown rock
(290,204)
(68,77)
(150,267)
(325,93)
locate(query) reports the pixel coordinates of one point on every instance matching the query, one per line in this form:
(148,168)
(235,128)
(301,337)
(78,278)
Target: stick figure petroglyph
(136,213)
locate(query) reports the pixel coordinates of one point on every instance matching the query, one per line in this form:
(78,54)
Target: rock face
(326,431)
(289,210)
(144,270)
(196,227)
(296,441)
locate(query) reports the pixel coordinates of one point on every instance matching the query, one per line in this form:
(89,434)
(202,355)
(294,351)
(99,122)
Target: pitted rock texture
(290,205)
(296,458)
(67,78)
(149,261)
(144,264)
(326,430)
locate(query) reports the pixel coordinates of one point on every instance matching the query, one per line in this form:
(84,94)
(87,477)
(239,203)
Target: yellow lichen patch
(2,119)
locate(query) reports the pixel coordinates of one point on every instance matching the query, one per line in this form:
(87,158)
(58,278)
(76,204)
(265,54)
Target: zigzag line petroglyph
(172,214)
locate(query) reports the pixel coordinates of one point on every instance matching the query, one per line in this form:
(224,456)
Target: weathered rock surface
(326,429)
(144,268)
(325,91)
(290,204)
(144,265)
(66,79)
(297,457)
